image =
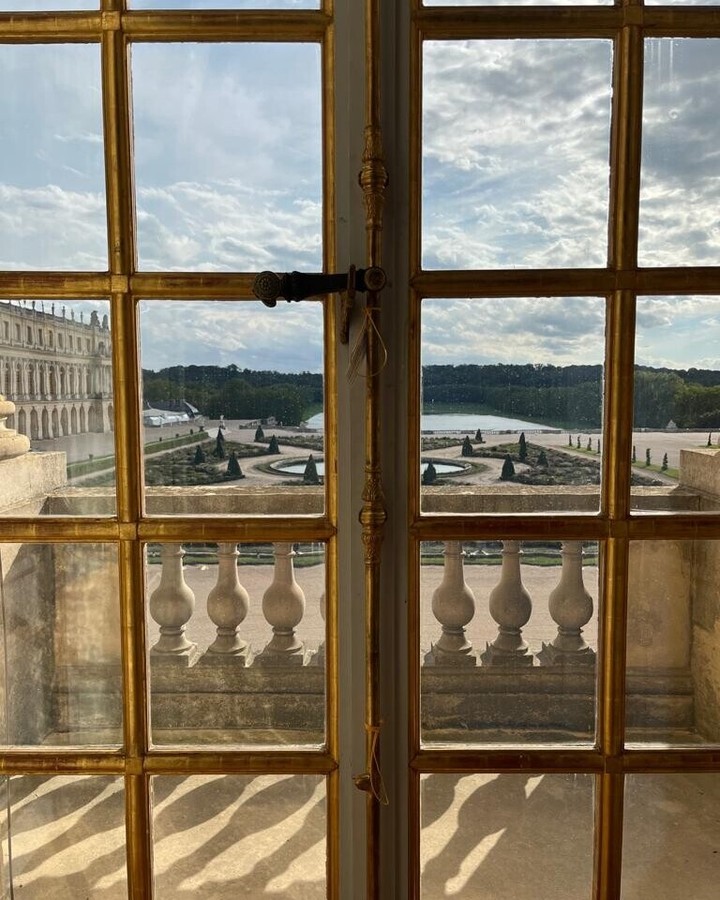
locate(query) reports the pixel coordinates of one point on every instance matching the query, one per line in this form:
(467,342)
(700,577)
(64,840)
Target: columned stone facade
(56,369)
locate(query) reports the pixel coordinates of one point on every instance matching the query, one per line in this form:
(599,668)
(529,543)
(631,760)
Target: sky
(228,178)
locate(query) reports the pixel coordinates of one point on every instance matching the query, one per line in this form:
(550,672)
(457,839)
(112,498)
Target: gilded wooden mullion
(459,760)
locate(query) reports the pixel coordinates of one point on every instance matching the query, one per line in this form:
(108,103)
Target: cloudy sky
(34,5)
(228,178)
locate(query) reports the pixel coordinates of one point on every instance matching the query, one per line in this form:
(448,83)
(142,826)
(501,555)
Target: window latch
(295,286)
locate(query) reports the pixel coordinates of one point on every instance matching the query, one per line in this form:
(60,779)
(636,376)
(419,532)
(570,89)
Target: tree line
(571,396)
(237,393)
(562,396)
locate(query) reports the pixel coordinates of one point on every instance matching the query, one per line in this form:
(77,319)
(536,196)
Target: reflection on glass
(501,836)
(64,837)
(514,3)
(56,378)
(233,408)
(515,153)
(511,404)
(508,641)
(676,436)
(228,156)
(60,644)
(679,191)
(235,835)
(52,182)
(670,837)
(673,642)
(46,5)
(237,643)
(224,4)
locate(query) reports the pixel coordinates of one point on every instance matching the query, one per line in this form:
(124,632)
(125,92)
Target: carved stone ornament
(12,444)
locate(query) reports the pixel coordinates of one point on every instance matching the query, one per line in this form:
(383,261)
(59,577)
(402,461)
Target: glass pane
(680,191)
(56,377)
(511,404)
(676,438)
(52,179)
(64,837)
(515,153)
(228,836)
(513,3)
(228,156)
(508,641)
(673,644)
(671,836)
(237,643)
(61,644)
(503,836)
(46,5)
(233,408)
(224,4)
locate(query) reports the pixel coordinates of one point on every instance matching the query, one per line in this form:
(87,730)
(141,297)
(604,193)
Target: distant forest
(571,396)
(562,396)
(238,393)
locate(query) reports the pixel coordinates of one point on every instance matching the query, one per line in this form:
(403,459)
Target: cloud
(228,150)
(515,153)
(51,228)
(680,186)
(560,331)
(678,332)
(225,4)
(288,338)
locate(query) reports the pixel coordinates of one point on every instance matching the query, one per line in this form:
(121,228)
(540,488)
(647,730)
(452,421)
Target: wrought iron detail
(295,286)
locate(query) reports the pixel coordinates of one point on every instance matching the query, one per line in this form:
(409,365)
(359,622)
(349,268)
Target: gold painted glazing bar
(608,836)
(42,285)
(259,529)
(139,836)
(538,760)
(612,640)
(219,761)
(625,149)
(221,25)
(116,116)
(616,471)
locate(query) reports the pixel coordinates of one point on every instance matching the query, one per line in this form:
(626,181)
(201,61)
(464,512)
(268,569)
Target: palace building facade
(57,369)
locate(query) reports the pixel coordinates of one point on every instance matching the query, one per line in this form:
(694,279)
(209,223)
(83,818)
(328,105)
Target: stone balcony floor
(484,837)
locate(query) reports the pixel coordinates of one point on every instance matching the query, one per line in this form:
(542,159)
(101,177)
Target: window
(464,555)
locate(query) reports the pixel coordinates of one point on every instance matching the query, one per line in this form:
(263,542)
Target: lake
(462,422)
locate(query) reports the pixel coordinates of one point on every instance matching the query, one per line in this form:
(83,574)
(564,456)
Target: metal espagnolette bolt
(295,286)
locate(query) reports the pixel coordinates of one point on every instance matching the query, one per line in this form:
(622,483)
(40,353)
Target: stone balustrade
(454,603)
(228,649)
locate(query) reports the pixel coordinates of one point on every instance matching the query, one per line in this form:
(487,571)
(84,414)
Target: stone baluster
(318,658)
(453,605)
(172,603)
(227,607)
(283,606)
(510,606)
(571,607)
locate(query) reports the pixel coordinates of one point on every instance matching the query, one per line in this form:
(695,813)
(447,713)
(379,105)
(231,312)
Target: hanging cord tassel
(359,348)
(372,782)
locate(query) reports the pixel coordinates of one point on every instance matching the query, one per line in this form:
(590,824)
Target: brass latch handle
(295,286)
